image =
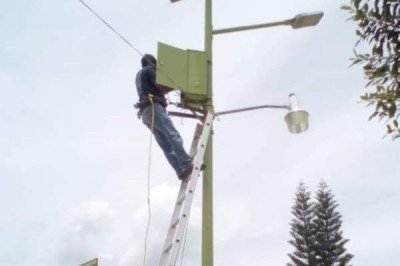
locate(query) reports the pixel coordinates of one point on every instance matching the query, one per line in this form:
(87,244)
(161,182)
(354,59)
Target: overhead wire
(108,25)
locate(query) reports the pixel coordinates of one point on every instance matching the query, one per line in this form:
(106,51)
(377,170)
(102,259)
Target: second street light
(191,72)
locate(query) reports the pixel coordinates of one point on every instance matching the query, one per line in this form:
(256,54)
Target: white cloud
(92,230)
(163,199)
(86,233)
(92,218)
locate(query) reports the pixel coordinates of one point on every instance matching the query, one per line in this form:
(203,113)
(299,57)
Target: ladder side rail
(181,194)
(198,161)
(176,214)
(183,223)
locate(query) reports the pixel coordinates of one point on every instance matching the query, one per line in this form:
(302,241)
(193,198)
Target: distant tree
(302,229)
(379,28)
(329,243)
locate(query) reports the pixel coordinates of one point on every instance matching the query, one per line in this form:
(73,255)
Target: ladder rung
(168,248)
(175,223)
(181,200)
(171,245)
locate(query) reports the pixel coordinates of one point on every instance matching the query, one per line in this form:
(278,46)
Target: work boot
(185,175)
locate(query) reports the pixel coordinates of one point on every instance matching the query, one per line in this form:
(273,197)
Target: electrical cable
(108,25)
(148,181)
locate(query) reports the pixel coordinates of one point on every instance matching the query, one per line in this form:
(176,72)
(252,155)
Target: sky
(73,157)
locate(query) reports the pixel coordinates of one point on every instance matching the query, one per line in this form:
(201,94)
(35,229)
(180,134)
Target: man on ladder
(152,110)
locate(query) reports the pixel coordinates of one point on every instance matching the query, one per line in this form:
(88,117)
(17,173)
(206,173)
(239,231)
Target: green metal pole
(207,223)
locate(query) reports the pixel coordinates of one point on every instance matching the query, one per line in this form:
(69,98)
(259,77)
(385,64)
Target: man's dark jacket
(145,85)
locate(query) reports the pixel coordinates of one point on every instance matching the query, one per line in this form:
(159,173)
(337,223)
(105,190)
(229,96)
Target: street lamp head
(306,20)
(296,118)
(173,1)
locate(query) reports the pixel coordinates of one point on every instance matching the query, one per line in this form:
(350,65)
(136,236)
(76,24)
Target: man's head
(149,59)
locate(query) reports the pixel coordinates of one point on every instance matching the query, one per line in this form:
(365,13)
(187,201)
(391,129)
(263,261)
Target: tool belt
(147,101)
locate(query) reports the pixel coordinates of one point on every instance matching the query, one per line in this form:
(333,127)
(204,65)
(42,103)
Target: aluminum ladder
(180,216)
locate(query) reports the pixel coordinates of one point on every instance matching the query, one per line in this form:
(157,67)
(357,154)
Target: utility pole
(207,246)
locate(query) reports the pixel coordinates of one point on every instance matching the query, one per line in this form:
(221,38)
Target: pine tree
(329,243)
(302,229)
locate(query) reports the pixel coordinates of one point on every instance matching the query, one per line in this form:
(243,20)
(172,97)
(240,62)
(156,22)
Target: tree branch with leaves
(378,24)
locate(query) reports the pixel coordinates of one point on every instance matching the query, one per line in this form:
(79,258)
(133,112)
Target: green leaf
(391,109)
(359,15)
(365,7)
(373,115)
(389,129)
(357,3)
(345,7)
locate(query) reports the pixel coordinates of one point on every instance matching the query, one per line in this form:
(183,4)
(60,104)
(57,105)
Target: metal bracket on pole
(178,114)
(197,113)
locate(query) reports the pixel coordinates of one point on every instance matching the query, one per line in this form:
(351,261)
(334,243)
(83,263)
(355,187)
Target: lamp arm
(252,108)
(253,27)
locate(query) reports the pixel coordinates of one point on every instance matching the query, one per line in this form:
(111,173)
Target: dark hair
(148,59)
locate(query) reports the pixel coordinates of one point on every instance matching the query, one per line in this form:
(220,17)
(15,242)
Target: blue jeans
(167,137)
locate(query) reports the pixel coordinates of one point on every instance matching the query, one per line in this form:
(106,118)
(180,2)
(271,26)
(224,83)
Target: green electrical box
(184,70)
